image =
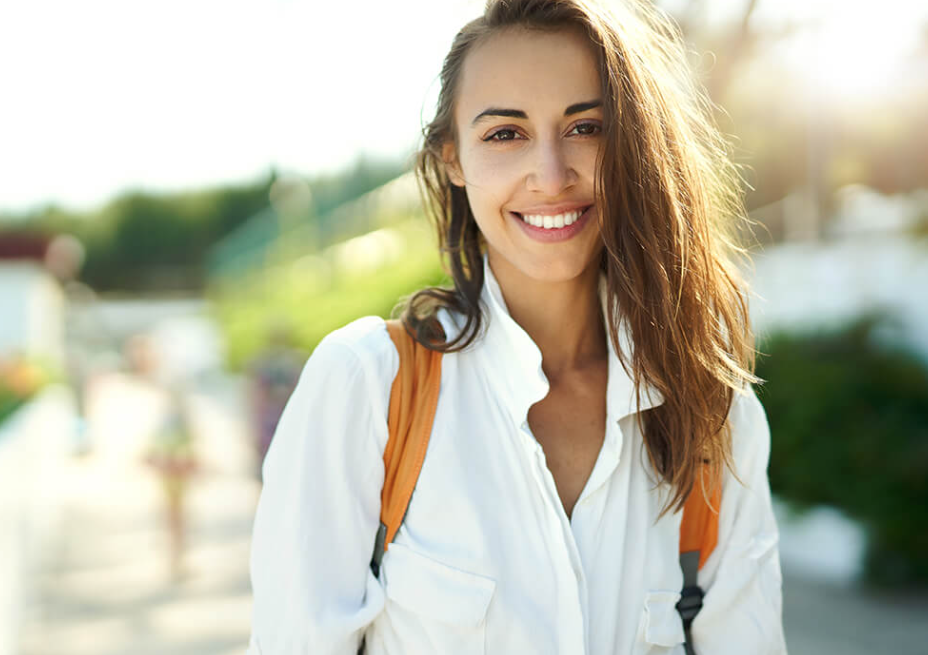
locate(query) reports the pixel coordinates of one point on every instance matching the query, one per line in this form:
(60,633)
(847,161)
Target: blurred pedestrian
(87,338)
(171,451)
(172,454)
(273,375)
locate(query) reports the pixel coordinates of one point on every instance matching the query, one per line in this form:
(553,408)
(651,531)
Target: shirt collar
(515,360)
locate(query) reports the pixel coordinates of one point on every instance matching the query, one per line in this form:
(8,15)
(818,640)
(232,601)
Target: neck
(563,318)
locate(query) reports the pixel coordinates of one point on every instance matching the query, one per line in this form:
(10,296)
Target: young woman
(597,354)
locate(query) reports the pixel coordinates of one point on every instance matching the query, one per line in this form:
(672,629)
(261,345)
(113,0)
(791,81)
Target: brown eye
(587,129)
(502,135)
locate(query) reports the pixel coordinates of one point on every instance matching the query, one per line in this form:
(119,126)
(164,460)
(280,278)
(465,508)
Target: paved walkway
(106,588)
(822,619)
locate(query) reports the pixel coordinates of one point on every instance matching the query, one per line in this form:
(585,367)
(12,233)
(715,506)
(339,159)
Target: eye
(505,134)
(587,129)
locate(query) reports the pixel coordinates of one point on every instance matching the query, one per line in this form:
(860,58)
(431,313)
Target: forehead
(528,69)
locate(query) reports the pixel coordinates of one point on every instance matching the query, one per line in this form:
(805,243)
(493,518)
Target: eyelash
(492,137)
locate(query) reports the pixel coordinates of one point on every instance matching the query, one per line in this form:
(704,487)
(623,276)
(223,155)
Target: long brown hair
(669,199)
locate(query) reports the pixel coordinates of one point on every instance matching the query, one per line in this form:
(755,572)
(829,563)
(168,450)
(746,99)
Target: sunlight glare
(851,55)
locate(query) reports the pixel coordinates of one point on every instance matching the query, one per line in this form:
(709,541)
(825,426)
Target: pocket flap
(662,623)
(435,590)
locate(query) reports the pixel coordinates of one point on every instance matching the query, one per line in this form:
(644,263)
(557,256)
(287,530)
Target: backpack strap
(699,534)
(413,401)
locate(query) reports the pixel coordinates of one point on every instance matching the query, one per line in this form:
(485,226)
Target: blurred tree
(143,241)
(848,414)
(786,139)
(734,42)
(330,191)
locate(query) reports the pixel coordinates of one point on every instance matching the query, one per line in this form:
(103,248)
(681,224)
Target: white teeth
(552,222)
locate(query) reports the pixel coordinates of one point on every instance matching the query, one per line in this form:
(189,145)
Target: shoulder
(365,335)
(365,343)
(358,360)
(750,434)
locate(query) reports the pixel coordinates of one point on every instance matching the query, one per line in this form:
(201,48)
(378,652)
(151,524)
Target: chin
(552,269)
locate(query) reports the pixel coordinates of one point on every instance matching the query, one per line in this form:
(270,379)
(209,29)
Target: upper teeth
(552,222)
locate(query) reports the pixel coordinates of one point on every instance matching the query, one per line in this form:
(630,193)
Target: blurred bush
(321,292)
(848,412)
(143,241)
(21,378)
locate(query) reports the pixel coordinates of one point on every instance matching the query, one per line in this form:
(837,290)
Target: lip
(555,234)
(554,210)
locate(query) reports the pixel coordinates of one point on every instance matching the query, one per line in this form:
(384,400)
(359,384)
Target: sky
(101,96)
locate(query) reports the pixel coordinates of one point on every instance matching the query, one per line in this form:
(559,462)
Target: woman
(172,454)
(597,353)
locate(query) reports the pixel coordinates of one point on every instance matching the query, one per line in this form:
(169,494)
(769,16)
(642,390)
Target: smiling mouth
(553,222)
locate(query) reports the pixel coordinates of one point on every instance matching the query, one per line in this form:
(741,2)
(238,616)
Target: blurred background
(193,194)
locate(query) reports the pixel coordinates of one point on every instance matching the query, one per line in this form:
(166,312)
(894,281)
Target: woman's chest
(569,424)
(487,556)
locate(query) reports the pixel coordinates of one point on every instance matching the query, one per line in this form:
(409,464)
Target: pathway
(106,589)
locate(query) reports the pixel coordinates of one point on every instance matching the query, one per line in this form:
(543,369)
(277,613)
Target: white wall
(827,283)
(32,310)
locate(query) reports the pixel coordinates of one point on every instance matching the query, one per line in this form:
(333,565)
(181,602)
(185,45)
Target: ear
(452,166)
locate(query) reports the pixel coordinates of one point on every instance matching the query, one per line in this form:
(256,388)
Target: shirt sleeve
(319,509)
(742,608)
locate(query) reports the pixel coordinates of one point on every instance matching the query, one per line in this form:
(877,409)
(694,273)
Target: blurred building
(32,302)
(869,259)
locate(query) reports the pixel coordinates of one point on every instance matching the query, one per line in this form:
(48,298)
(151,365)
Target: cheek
(492,180)
(486,206)
(583,158)
(487,169)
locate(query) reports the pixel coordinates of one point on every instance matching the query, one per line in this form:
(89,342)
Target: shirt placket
(589,508)
(569,565)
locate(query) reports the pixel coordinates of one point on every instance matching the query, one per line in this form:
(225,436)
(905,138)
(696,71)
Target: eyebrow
(518,113)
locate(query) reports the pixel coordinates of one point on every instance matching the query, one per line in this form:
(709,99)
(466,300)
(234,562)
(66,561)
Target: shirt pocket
(446,606)
(661,625)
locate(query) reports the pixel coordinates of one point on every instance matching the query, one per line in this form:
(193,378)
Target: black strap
(691,597)
(377,557)
(379,547)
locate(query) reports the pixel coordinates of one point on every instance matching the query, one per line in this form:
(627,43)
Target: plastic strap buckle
(689,604)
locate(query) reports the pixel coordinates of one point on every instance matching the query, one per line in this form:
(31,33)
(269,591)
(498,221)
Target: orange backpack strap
(699,533)
(413,401)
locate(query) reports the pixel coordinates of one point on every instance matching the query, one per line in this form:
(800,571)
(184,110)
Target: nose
(551,172)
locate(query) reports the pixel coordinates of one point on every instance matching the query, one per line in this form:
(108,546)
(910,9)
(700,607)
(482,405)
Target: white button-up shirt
(487,560)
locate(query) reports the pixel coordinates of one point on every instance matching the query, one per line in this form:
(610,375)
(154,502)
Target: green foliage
(849,421)
(9,403)
(143,241)
(22,377)
(320,293)
(330,191)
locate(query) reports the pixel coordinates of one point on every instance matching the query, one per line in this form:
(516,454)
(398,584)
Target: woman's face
(529,117)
